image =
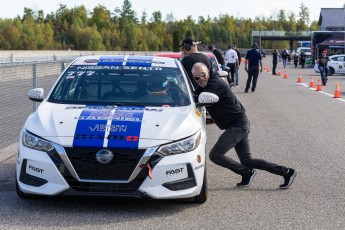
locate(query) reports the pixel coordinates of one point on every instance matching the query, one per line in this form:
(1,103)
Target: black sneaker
(288,178)
(253,90)
(247,179)
(246,91)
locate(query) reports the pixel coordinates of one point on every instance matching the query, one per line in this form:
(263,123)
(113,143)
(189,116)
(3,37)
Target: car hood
(113,126)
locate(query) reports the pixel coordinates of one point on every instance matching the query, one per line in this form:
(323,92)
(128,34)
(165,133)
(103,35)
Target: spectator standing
(302,58)
(284,57)
(253,59)
(231,60)
(275,56)
(218,54)
(295,59)
(191,56)
(322,66)
(230,115)
(238,66)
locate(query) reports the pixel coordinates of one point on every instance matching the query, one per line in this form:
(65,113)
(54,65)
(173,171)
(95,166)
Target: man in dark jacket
(253,59)
(191,56)
(218,55)
(229,115)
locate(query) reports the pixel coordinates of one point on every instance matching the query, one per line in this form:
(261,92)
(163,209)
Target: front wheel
(202,197)
(331,71)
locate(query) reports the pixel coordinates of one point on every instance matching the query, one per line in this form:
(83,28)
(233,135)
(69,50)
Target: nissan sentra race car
(123,126)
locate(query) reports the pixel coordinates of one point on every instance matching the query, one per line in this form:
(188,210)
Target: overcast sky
(179,8)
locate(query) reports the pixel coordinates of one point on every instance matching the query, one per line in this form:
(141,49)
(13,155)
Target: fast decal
(106,126)
(174,172)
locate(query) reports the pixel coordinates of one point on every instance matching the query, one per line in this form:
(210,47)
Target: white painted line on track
(307,86)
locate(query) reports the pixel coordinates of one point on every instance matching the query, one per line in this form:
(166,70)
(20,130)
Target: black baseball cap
(255,46)
(210,47)
(188,41)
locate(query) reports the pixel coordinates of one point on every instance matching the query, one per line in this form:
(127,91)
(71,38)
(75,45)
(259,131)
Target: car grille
(120,168)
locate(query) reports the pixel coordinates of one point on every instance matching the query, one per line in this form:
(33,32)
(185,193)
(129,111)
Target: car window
(340,58)
(214,63)
(148,86)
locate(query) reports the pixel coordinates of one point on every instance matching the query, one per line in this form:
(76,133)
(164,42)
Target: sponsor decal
(174,172)
(139,61)
(110,60)
(199,166)
(91,61)
(35,169)
(109,126)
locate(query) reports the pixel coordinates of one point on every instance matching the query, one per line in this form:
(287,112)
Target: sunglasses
(201,74)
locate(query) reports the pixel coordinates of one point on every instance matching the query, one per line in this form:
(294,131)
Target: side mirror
(36,94)
(222,73)
(206,98)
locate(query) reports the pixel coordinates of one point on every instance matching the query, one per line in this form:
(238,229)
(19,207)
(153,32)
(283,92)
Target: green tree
(302,22)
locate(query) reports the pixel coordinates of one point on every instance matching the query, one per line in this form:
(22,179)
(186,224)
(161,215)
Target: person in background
(275,56)
(191,56)
(302,58)
(230,115)
(284,57)
(238,66)
(218,54)
(253,59)
(231,60)
(295,59)
(322,65)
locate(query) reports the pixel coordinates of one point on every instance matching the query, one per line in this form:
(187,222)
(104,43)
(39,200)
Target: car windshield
(147,86)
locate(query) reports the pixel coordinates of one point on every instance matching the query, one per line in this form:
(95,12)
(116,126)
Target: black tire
(331,71)
(202,197)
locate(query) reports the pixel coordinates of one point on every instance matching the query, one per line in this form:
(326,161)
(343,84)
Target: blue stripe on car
(126,126)
(91,128)
(124,131)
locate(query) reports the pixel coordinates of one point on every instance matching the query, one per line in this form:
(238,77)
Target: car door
(340,64)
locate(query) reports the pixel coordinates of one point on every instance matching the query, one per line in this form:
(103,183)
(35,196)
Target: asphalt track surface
(290,125)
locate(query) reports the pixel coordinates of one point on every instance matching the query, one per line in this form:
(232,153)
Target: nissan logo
(104,156)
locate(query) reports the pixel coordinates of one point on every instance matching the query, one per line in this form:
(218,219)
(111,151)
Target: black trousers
(274,68)
(232,71)
(237,137)
(252,75)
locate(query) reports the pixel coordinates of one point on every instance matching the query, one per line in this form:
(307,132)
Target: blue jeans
(236,75)
(324,73)
(237,137)
(284,62)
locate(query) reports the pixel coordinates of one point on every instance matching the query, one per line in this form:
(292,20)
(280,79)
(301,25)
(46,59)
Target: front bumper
(57,173)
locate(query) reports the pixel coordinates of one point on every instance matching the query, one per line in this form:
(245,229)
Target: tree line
(122,29)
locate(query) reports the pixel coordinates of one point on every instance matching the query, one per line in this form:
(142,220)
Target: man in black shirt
(229,115)
(218,55)
(322,66)
(191,56)
(253,59)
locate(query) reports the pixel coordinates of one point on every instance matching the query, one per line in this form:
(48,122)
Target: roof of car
(125,60)
(178,54)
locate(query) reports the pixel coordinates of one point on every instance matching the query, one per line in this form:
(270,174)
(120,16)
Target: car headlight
(34,142)
(182,146)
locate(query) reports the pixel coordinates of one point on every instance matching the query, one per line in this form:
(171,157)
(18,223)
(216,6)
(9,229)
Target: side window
(341,58)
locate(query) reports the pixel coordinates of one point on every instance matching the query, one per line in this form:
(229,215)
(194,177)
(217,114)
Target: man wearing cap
(231,60)
(191,56)
(218,55)
(323,68)
(230,115)
(252,66)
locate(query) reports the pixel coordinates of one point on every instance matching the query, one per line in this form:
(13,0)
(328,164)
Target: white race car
(123,126)
(336,65)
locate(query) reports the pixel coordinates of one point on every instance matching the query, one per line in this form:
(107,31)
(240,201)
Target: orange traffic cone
(337,91)
(299,79)
(279,74)
(311,84)
(318,87)
(285,74)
